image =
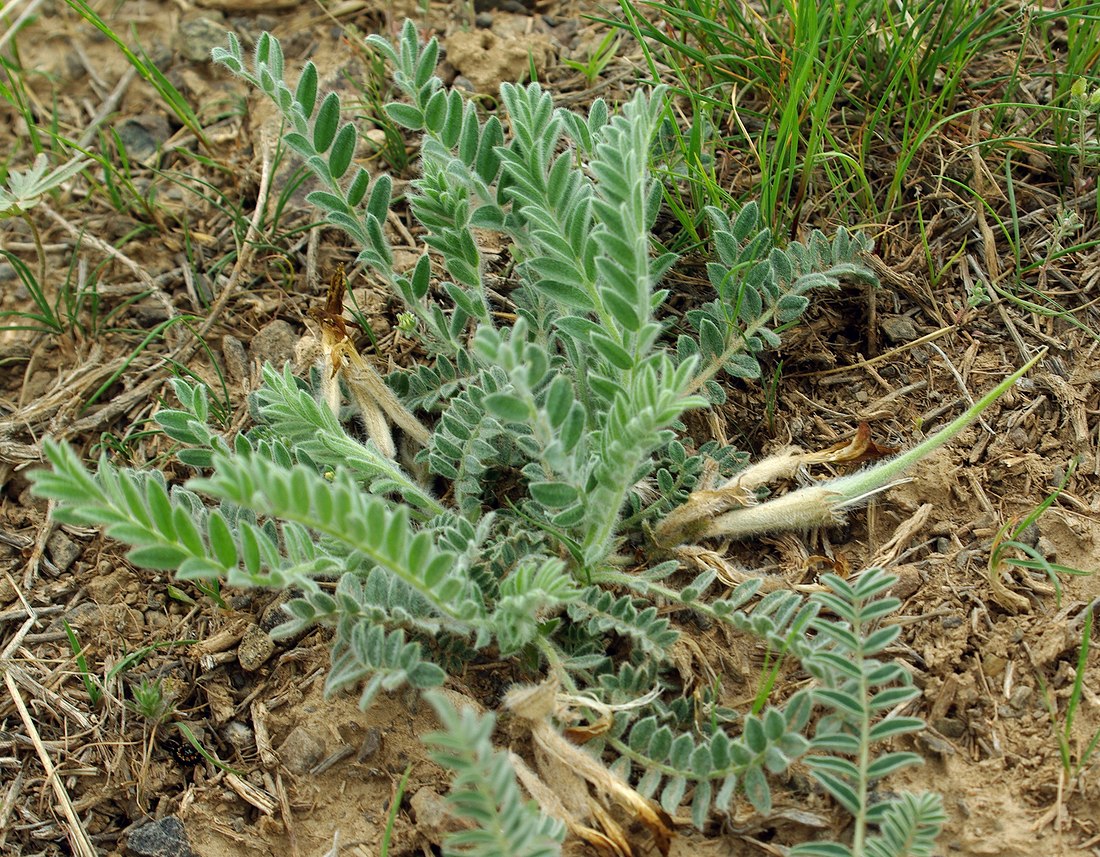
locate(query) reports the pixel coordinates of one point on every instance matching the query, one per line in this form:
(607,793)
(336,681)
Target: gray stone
(199,36)
(371,744)
(274,343)
(150,313)
(949,727)
(236,359)
(301,750)
(142,136)
(62,550)
(1021,695)
(1029,535)
(899,328)
(936,745)
(164,838)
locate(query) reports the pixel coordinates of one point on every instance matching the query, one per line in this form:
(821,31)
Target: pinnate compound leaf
(579,407)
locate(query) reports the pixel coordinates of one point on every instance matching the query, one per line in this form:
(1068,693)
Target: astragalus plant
(551,507)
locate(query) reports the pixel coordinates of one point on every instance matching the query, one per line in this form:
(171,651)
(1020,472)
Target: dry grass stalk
(564,763)
(79,839)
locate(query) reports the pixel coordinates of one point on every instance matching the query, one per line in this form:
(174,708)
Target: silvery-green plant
(864,695)
(19,193)
(557,440)
(25,189)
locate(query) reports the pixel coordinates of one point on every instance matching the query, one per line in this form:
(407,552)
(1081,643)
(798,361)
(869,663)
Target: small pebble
(142,136)
(899,328)
(274,343)
(949,727)
(434,818)
(62,550)
(236,359)
(164,838)
(372,743)
(254,649)
(1020,695)
(199,36)
(301,750)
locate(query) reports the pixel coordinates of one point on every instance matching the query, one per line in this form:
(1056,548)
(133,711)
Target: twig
(79,838)
(30,570)
(287,817)
(102,247)
(888,553)
(24,16)
(881,358)
(961,384)
(106,249)
(8,805)
(82,844)
(248,244)
(32,618)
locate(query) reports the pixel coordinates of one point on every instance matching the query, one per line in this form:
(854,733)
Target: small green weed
(151,701)
(1074,759)
(95,693)
(814,93)
(1007,542)
(172,98)
(597,61)
(391,814)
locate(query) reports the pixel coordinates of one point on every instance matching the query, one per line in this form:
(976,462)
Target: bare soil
(312,772)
